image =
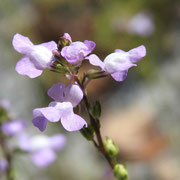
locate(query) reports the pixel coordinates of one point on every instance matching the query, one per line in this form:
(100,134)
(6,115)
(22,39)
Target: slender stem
(98,135)
(100,144)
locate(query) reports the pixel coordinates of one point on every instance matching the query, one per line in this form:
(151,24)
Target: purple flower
(67,36)
(118,63)
(12,128)
(61,109)
(141,24)
(5,104)
(42,148)
(77,51)
(3,165)
(37,57)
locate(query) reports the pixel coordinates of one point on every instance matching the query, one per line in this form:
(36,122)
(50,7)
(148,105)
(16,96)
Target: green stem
(98,135)
(100,144)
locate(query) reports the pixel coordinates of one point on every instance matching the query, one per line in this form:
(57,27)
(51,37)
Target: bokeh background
(141,114)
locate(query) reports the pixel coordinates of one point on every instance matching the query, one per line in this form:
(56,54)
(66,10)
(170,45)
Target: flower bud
(94,74)
(110,147)
(65,40)
(120,172)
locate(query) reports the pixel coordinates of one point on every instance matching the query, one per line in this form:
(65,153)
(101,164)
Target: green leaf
(95,110)
(88,132)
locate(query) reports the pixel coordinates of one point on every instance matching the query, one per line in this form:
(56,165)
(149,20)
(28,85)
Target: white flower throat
(41,56)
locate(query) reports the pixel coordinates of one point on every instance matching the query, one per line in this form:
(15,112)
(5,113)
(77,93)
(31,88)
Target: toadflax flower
(77,51)
(61,109)
(3,165)
(12,128)
(41,147)
(37,57)
(118,63)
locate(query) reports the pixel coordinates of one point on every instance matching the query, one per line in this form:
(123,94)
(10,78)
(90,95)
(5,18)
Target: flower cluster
(41,148)
(66,57)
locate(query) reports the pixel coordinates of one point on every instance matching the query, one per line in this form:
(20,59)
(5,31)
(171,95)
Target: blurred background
(141,114)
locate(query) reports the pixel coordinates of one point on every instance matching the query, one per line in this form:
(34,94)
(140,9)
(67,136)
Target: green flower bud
(120,172)
(94,74)
(110,147)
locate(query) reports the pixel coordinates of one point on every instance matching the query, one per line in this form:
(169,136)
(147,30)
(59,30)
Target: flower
(61,109)
(5,104)
(67,37)
(118,63)
(41,147)
(141,24)
(3,165)
(77,51)
(12,128)
(37,57)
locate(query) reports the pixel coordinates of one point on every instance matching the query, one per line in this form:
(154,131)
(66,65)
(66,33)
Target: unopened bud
(110,147)
(65,40)
(120,172)
(94,74)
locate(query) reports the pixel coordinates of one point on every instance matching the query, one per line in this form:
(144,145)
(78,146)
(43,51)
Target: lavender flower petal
(40,122)
(21,44)
(77,51)
(73,122)
(119,76)
(26,67)
(12,128)
(52,114)
(3,165)
(56,92)
(137,54)
(71,93)
(57,142)
(95,61)
(51,45)
(43,157)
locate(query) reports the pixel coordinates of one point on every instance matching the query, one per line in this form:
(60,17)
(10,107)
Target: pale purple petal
(43,157)
(137,54)
(21,43)
(24,142)
(56,92)
(57,142)
(73,94)
(73,122)
(119,76)
(119,50)
(117,62)
(95,61)
(40,122)
(91,45)
(141,24)
(67,36)
(41,57)
(4,103)
(12,128)
(52,114)
(51,45)
(25,67)
(3,165)
(77,51)
(39,142)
